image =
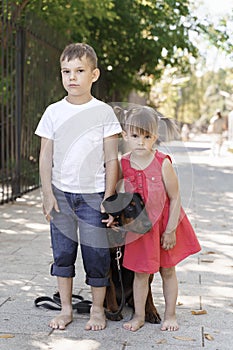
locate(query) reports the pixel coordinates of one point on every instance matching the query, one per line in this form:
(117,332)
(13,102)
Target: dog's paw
(153,317)
(110,316)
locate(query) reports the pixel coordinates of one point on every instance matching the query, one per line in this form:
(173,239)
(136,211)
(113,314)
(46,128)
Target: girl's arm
(168,239)
(45,165)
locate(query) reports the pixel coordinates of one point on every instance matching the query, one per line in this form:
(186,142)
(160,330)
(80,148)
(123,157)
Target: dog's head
(129,210)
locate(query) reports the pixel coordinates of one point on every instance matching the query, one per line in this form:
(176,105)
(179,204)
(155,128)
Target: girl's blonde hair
(141,119)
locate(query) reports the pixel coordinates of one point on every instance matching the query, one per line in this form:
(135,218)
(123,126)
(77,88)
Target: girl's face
(140,144)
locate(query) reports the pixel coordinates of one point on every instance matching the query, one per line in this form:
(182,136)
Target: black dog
(129,212)
(114,292)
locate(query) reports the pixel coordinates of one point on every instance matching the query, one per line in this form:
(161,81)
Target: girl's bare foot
(97,320)
(170,324)
(61,321)
(134,324)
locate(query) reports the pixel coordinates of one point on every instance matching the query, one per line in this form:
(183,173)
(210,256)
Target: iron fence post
(18,108)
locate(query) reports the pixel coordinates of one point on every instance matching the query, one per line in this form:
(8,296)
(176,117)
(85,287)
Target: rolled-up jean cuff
(63,271)
(97,282)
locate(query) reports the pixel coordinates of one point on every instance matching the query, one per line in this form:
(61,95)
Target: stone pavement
(205,279)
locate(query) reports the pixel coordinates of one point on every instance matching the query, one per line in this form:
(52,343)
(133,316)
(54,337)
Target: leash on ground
(54,303)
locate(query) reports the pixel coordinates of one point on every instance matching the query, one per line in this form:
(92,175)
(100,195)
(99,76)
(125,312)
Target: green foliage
(135,39)
(190,98)
(130,36)
(131,48)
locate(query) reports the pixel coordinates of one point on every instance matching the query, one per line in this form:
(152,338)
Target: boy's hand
(109,218)
(49,203)
(111,222)
(108,221)
(168,240)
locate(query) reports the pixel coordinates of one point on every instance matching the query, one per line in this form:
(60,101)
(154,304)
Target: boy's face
(77,78)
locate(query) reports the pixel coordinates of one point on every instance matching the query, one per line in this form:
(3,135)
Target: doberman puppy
(114,292)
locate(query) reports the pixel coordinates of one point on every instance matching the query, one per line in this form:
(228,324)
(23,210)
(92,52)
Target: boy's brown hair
(78,50)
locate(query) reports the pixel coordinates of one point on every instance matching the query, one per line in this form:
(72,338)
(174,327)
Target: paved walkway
(205,280)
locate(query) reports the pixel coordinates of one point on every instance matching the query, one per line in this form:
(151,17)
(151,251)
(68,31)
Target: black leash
(82,306)
(116,313)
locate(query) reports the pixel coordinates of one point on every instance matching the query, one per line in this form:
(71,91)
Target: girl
(172,238)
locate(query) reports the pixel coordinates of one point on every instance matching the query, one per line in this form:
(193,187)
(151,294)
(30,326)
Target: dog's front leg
(152,314)
(111,302)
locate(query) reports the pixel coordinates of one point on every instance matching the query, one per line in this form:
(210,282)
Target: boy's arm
(120,184)
(45,165)
(111,164)
(111,170)
(168,239)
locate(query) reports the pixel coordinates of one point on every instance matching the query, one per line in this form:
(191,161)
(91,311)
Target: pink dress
(143,253)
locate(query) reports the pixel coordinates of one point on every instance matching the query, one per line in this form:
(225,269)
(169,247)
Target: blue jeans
(80,212)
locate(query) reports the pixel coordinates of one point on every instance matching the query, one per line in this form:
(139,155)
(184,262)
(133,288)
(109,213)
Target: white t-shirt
(78,132)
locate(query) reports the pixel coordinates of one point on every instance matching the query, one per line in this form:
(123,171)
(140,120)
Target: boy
(78,169)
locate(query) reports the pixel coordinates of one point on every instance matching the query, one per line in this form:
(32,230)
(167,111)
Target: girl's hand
(49,203)
(168,240)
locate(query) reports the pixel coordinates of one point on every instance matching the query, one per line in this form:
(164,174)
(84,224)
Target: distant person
(185,132)
(78,169)
(216,128)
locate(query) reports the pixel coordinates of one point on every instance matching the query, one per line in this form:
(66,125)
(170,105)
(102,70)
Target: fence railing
(30,80)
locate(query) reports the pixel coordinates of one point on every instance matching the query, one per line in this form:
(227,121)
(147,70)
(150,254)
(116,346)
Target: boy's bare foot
(134,324)
(61,321)
(170,324)
(97,320)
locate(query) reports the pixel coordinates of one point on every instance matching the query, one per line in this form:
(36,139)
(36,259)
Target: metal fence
(30,80)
